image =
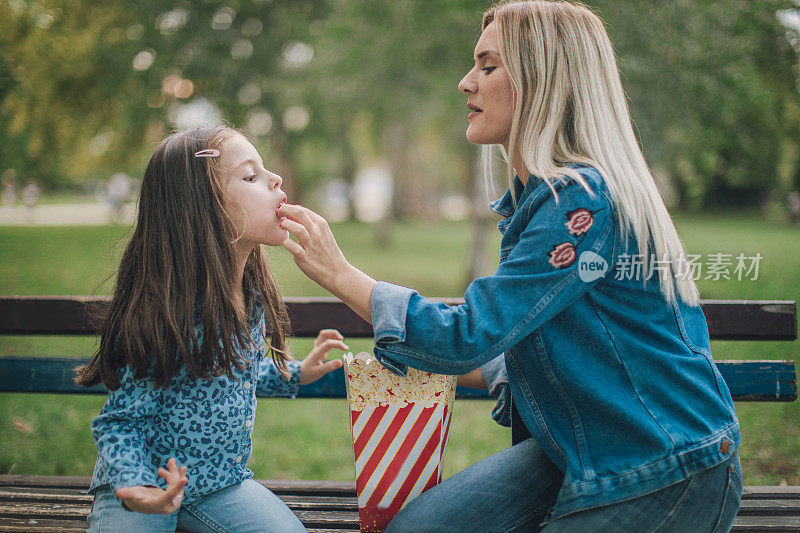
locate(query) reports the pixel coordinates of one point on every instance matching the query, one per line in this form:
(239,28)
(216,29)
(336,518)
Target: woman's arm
(538,279)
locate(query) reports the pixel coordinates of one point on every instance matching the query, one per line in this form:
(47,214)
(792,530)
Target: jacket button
(725,447)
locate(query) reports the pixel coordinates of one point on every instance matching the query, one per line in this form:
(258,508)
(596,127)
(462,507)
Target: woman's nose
(467,85)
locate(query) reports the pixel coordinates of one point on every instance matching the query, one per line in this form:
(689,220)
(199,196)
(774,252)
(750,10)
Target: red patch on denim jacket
(579,221)
(562,255)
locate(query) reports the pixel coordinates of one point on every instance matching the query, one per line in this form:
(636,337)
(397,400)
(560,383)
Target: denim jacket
(615,383)
(206,425)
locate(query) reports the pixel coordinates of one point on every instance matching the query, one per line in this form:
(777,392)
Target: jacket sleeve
(272,384)
(539,278)
(496,379)
(118,431)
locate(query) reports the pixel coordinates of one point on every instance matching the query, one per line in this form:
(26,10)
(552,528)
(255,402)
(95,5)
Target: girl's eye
(251,179)
(488,70)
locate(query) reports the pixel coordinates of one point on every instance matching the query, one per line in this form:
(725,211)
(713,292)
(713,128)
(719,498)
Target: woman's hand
(153,500)
(315,366)
(316,251)
(319,257)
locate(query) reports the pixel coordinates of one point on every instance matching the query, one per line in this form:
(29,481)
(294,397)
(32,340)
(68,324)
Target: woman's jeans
(248,506)
(514,489)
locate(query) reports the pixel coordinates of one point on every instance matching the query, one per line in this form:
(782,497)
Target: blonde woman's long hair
(569,106)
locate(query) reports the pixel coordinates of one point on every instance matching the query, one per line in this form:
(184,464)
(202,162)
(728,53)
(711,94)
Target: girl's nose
(467,85)
(277,181)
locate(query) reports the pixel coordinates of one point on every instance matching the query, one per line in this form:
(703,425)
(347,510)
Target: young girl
(182,347)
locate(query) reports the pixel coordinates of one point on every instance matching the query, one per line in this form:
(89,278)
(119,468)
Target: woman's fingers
(295,249)
(299,215)
(315,252)
(304,224)
(298,230)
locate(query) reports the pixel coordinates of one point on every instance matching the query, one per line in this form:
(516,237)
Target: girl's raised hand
(315,365)
(154,500)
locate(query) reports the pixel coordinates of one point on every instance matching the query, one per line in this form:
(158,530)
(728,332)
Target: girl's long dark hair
(179,263)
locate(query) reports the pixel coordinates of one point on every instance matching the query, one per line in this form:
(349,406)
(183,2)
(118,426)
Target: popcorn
(400,426)
(371,384)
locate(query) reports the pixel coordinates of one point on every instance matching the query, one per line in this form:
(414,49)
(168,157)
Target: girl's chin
(276,239)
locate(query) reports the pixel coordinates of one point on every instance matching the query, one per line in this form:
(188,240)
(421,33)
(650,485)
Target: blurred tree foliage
(714,93)
(325,86)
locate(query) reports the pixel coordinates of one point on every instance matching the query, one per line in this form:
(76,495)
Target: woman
(605,347)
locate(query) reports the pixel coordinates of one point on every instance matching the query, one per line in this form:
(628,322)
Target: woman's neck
(519,166)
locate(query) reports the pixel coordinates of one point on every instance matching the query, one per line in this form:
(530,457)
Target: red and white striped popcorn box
(400,426)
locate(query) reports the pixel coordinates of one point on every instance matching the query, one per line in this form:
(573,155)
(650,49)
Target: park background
(341,95)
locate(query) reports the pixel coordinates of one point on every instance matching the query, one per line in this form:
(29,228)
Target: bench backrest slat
(747,380)
(70,315)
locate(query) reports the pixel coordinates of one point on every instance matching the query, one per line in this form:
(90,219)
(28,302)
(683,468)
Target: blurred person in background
(30,197)
(118,190)
(9,195)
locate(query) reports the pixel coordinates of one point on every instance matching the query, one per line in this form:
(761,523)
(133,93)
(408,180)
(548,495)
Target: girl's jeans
(513,490)
(248,506)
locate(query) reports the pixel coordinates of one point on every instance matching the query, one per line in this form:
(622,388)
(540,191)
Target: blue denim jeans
(513,490)
(247,506)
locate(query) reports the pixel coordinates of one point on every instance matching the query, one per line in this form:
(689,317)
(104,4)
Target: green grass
(309,439)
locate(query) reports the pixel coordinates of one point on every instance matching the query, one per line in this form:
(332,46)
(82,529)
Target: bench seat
(60,503)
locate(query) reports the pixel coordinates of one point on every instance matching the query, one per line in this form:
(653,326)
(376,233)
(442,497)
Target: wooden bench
(47,503)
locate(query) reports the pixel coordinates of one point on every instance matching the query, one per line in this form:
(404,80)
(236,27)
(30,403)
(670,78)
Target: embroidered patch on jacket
(579,221)
(562,255)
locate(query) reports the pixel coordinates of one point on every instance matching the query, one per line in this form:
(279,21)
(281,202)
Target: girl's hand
(153,500)
(316,251)
(315,366)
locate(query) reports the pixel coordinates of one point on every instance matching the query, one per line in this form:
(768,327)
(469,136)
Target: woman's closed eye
(488,70)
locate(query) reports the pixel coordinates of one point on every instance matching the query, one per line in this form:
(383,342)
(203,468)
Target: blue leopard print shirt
(206,425)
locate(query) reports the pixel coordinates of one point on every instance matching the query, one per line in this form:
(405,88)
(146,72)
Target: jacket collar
(505,206)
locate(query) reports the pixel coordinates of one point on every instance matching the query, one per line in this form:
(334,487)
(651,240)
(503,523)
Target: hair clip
(208,152)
